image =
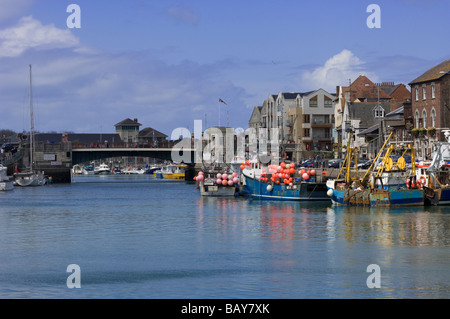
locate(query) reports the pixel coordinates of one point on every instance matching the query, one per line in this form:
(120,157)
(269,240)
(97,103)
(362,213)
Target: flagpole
(219,113)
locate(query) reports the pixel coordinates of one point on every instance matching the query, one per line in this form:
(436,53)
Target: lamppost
(378,109)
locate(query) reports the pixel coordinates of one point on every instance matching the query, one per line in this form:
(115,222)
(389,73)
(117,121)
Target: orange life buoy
(422,180)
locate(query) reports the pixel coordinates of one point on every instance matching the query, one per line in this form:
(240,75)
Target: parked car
(364,163)
(335,163)
(306,163)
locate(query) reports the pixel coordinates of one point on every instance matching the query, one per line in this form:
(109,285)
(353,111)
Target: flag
(220,100)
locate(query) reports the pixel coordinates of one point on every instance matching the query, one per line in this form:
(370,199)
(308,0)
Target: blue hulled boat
(301,191)
(390,186)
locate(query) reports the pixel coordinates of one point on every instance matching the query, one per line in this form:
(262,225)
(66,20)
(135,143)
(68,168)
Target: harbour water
(137,237)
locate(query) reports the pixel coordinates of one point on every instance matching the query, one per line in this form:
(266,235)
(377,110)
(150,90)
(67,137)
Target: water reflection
(287,221)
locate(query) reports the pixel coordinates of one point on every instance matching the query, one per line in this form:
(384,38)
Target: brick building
(431,107)
(362,106)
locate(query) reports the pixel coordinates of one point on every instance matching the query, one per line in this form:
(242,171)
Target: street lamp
(378,114)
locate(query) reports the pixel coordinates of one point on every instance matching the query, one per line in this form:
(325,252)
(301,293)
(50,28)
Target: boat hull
(6,185)
(378,197)
(305,191)
(30,179)
(436,197)
(102,172)
(158,175)
(219,191)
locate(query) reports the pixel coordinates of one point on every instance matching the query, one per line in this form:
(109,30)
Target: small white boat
(102,169)
(30,178)
(78,170)
(133,170)
(6,183)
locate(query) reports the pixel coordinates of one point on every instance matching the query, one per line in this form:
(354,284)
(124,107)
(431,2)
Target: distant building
(151,137)
(431,107)
(128,130)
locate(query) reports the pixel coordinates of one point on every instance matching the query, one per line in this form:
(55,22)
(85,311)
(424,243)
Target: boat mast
(31,123)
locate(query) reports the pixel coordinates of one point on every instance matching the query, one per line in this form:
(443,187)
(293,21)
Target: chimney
(135,120)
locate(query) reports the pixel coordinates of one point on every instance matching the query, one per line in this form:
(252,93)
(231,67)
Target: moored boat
(390,186)
(218,183)
(283,183)
(6,183)
(434,177)
(30,176)
(102,169)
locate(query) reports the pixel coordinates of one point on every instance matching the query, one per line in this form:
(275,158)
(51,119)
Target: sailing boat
(30,177)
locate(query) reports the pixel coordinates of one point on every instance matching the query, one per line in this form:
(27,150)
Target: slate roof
(128,122)
(364,112)
(148,132)
(434,73)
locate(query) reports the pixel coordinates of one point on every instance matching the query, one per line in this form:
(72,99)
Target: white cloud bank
(29,33)
(337,70)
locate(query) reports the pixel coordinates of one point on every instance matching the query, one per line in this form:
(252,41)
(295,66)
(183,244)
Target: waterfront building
(361,107)
(303,122)
(430,98)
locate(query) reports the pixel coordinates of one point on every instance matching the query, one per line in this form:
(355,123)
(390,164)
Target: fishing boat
(102,169)
(30,176)
(391,185)
(217,182)
(283,183)
(6,183)
(434,177)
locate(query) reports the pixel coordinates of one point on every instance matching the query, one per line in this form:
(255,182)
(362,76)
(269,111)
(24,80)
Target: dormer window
(378,111)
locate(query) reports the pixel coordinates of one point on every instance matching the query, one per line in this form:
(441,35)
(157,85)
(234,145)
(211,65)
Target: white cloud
(336,71)
(29,33)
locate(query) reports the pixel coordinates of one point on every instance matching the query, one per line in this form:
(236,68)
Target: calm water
(137,237)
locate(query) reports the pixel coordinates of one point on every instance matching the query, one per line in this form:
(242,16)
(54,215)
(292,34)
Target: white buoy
(330,192)
(269,188)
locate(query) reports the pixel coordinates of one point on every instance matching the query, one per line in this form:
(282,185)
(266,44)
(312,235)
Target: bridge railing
(166,144)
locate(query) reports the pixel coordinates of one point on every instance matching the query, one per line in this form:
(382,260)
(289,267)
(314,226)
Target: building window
(417,119)
(424,91)
(417,93)
(313,102)
(433,90)
(306,132)
(433,118)
(424,115)
(379,112)
(306,118)
(328,102)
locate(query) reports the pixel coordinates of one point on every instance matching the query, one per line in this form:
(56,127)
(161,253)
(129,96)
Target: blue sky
(168,62)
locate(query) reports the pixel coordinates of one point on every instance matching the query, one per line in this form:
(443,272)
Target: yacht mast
(31,123)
